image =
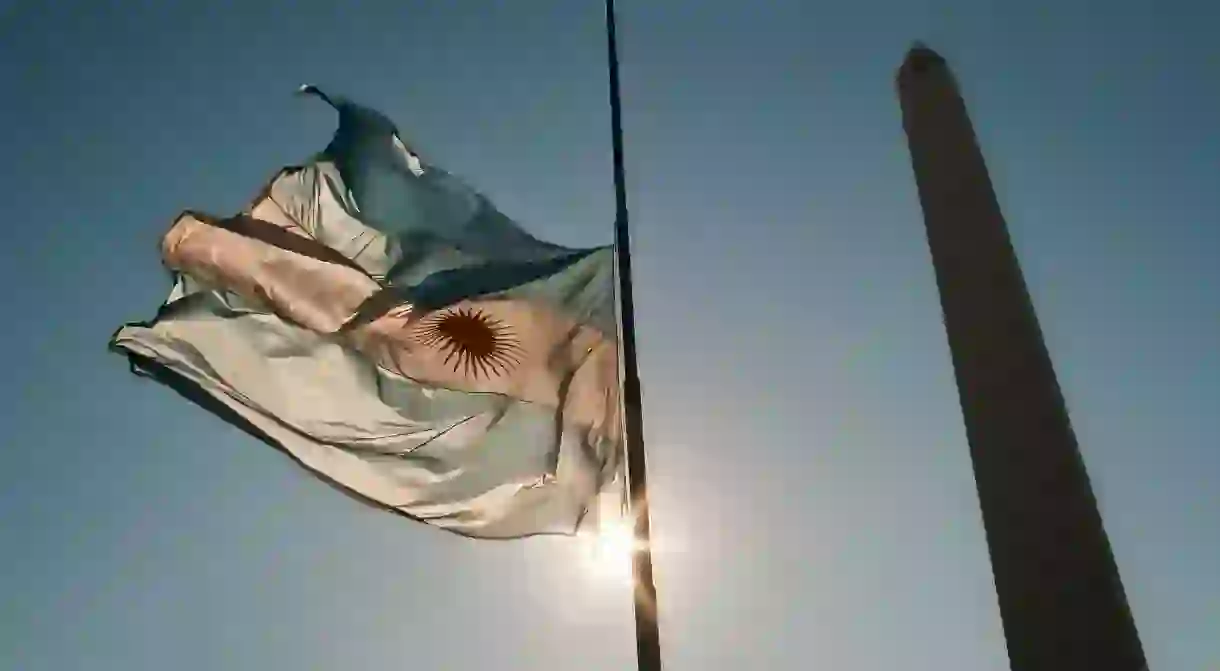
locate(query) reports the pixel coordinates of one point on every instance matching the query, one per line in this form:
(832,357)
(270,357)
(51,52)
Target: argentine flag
(388,328)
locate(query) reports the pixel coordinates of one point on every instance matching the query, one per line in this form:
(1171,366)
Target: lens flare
(610,550)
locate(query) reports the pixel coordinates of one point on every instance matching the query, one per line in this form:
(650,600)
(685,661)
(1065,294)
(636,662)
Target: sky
(813,503)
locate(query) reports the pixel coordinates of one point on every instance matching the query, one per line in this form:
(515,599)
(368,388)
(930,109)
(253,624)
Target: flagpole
(647,633)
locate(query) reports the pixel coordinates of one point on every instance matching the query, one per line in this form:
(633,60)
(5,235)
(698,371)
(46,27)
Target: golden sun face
(473,342)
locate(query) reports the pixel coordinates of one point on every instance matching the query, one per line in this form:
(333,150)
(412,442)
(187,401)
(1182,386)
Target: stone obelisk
(1060,596)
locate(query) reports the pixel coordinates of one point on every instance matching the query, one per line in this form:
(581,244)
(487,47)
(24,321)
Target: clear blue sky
(812,494)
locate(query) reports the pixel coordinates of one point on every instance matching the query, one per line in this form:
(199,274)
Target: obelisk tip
(920,56)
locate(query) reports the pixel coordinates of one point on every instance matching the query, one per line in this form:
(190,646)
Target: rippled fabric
(387,327)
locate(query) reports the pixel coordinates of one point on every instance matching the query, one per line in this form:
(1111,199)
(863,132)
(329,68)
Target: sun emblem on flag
(473,342)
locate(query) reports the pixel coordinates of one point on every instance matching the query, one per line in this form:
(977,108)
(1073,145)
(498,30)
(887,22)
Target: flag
(382,323)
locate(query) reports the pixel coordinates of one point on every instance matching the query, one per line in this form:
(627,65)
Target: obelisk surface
(1060,596)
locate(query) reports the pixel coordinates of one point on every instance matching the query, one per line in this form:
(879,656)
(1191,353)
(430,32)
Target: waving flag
(386,326)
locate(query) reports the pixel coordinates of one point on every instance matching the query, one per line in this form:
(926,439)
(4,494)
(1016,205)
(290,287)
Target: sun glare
(610,551)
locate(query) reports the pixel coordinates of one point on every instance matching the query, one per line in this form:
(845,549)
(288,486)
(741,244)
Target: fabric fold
(387,327)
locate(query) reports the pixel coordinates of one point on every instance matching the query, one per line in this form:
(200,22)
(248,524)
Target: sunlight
(610,551)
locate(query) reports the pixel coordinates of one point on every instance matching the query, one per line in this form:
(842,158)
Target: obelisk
(1060,596)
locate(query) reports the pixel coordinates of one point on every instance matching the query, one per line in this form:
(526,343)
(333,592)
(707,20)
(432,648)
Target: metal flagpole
(647,634)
